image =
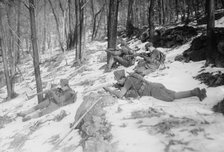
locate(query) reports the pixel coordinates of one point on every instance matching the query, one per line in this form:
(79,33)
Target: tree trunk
(151,20)
(210,30)
(79,29)
(69,17)
(196,9)
(35,50)
(5,62)
(99,21)
(17,56)
(129,23)
(177,10)
(11,51)
(76,29)
(222,1)
(112,27)
(81,17)
(93,18)
(57,26)
(45,32)
(164,11)
(94,22)
(188,13)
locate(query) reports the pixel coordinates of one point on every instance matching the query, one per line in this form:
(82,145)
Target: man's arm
(114,52)
(123,90)
(117,93)
(56,98)
(151,59)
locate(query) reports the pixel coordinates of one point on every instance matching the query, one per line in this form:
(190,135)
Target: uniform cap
(64,82)
(119,74)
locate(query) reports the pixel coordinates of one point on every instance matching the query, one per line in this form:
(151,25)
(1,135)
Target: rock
(197,51)
(210,79)
(219,107)
(174,36)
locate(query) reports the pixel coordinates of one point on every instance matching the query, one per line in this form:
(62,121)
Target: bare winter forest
(111,75)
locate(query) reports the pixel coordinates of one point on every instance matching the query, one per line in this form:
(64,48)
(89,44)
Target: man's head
(64,84)
(149,47)
(119,75)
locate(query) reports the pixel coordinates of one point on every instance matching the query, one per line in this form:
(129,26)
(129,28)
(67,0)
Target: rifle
(39,93)
(113,52)
(139,54)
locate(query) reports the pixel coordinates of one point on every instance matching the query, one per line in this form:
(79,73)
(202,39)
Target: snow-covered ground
(143,125)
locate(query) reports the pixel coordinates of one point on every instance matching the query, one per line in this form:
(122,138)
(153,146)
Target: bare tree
(11,48)
(129,24)
(17,55)
(35,50)
(77,30)
(112,28)
(151,19)
(95,15)
(210,30)
(45,30)
(4,57)
(57,25)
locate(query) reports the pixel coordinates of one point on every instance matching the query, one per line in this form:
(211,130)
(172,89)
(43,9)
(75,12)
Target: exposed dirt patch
(174,36)
(198,49)
(211,79)
(151,112)
(173,122)
(4,120)
(219,107)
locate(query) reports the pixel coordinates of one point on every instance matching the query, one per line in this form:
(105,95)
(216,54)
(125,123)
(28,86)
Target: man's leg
(35,114)
(52,107)
(162,93)
(41,105)
(122,61)
(201,94)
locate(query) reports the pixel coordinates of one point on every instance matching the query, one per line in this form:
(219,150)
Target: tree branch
(25,5)
(84,5)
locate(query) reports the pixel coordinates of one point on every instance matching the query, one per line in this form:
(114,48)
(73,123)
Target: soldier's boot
(200,93)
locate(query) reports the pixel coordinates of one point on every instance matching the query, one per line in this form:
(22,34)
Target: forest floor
(144,124)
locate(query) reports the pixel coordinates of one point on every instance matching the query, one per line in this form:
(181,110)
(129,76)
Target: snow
(202,131)
(220,22)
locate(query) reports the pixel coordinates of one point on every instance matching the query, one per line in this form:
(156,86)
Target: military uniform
(64,95)
(145,67)
(137,87)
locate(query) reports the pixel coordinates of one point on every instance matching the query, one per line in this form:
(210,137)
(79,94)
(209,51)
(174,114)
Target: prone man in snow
(135,86)
(151,60)
(54,99)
